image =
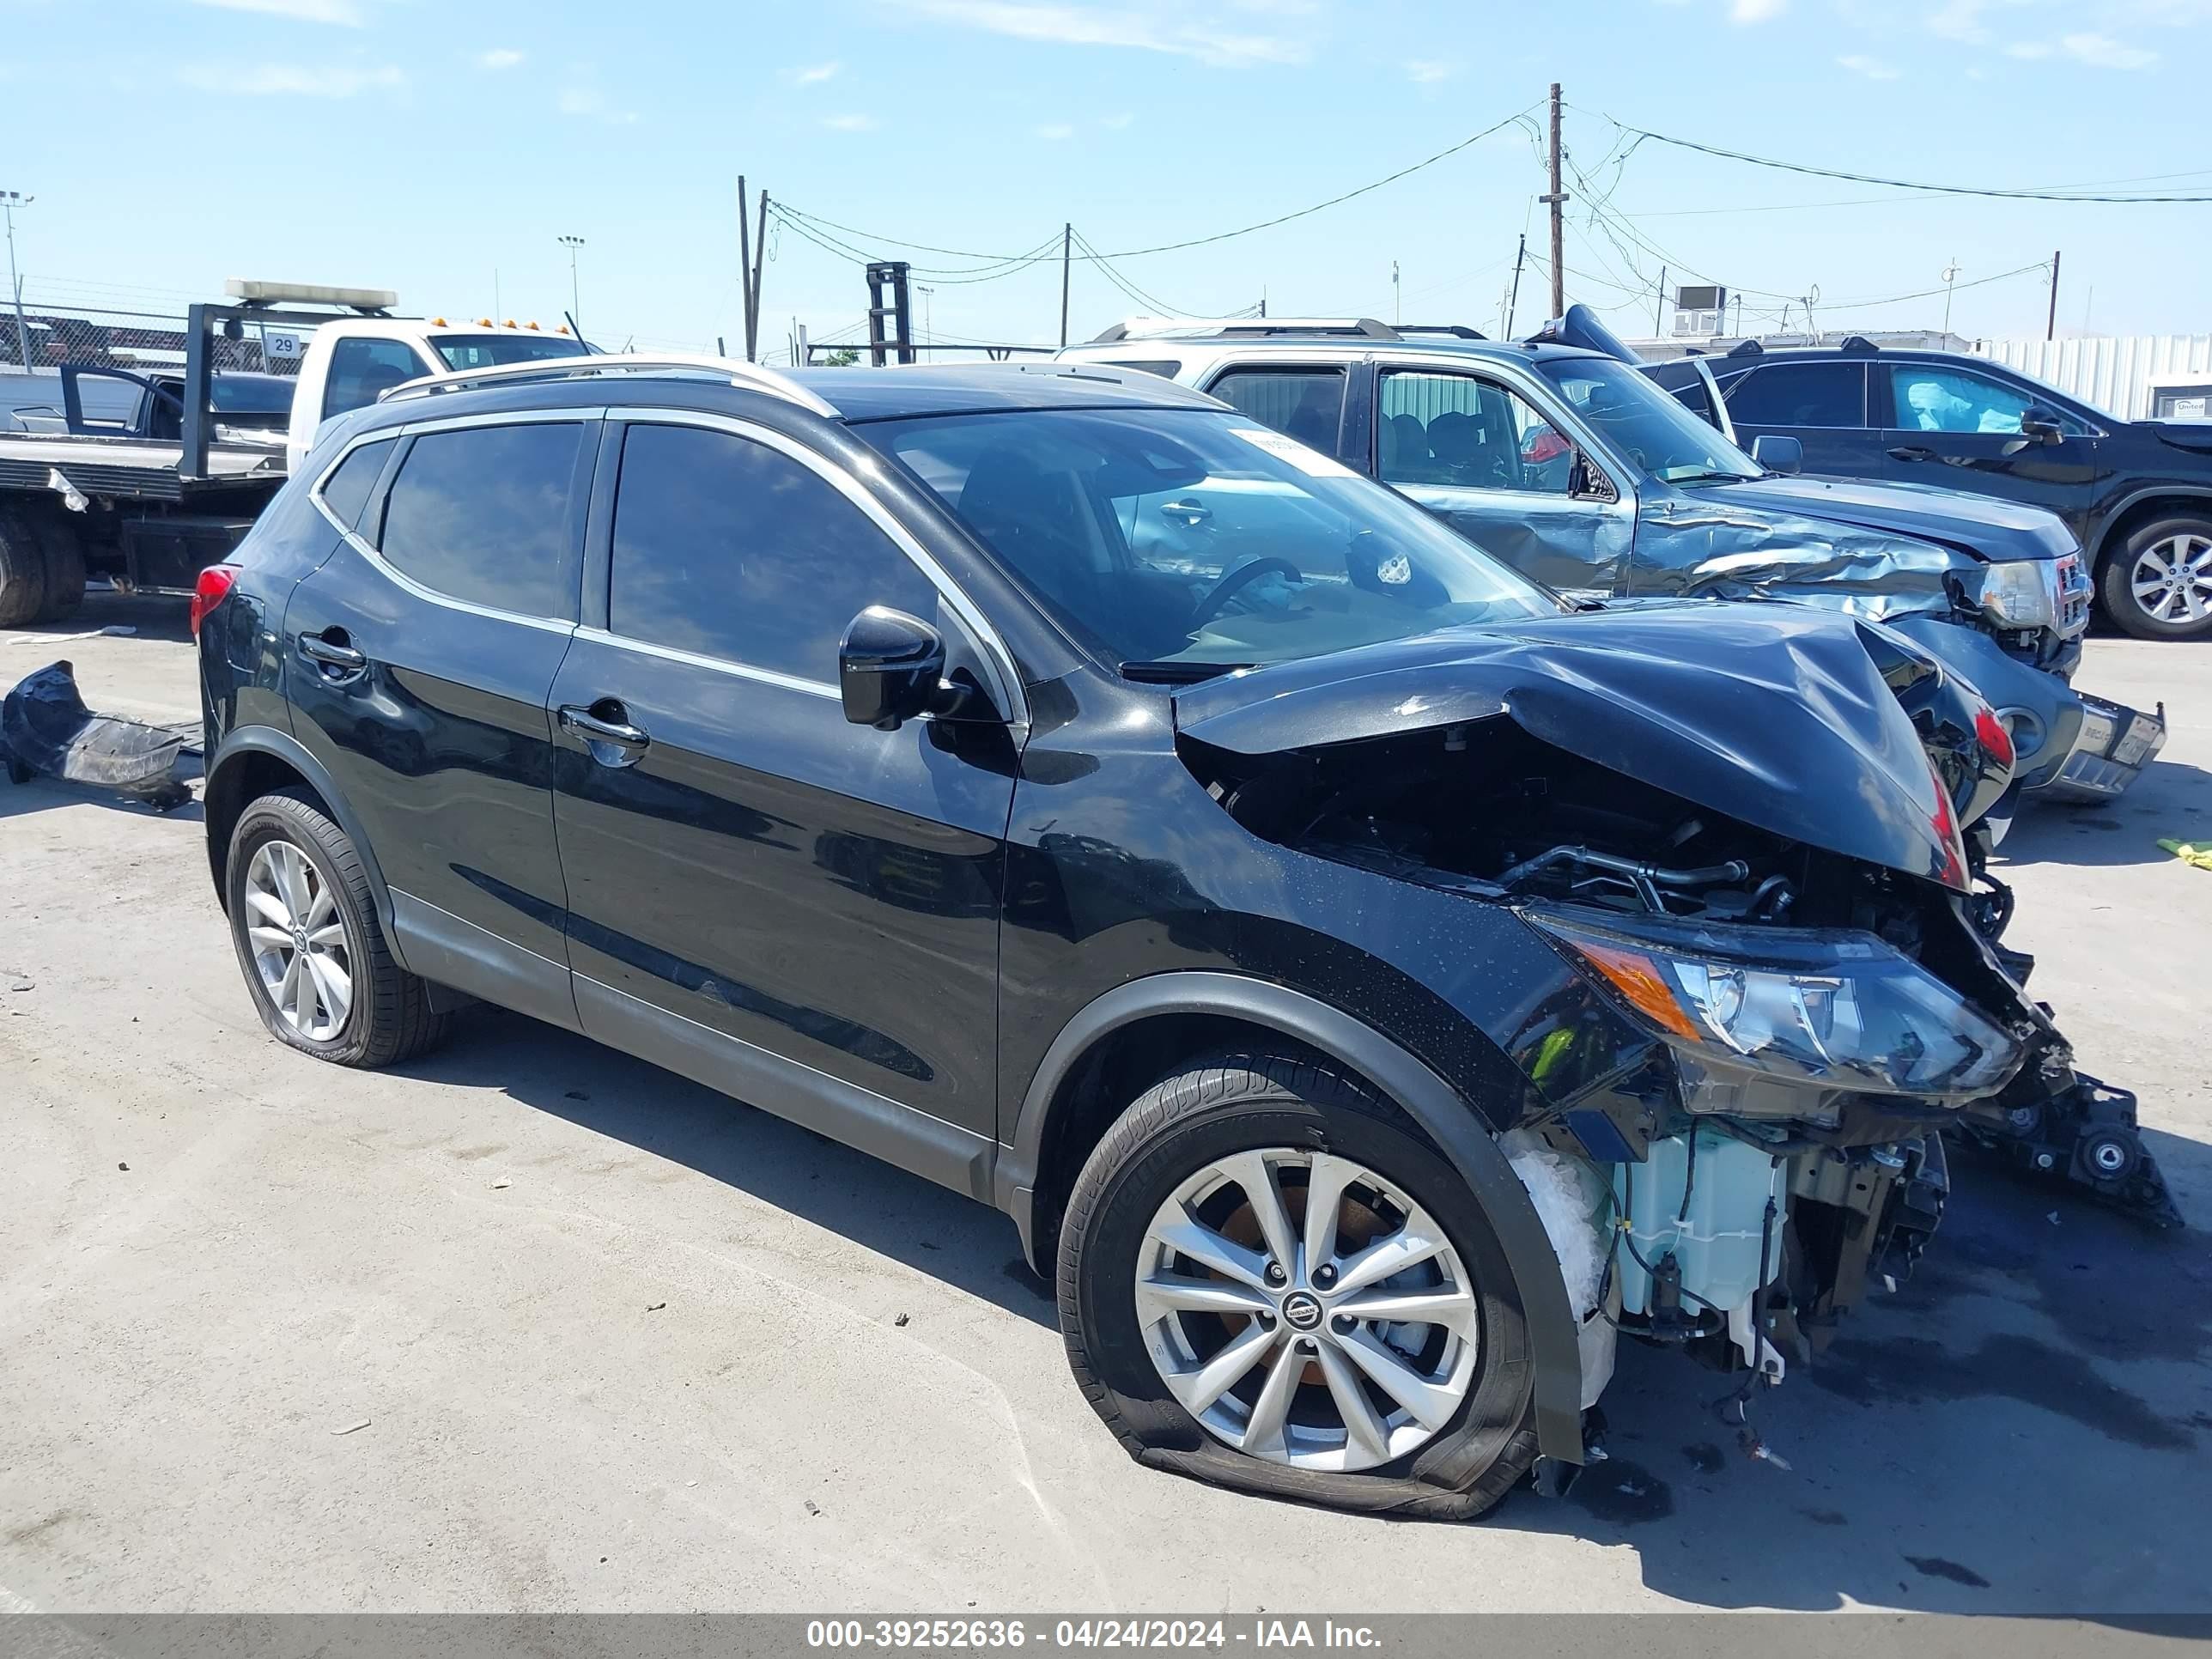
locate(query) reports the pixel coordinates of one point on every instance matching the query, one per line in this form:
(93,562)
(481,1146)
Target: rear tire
(2171,561)
(287,855)
(22,570)
(63,544)
(1302,1123)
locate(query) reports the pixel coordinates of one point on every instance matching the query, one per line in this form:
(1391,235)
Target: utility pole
(1066,241)
(760,263)
(1397,309)
(1558,201)
(575,306)
(1513,304)
(9,201)
(1658,302)
(745,266)
(2051,322)
(1950,275)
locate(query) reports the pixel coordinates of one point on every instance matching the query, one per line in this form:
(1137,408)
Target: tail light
(209,591)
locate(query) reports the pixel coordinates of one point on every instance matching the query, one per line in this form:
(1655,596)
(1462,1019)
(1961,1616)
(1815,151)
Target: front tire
(304,925)
(1270,1281)
(2158,585)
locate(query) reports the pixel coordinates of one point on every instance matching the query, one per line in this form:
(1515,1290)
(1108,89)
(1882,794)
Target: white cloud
(1116,121)
(1138,27)
(282,80)
(1755,11)
(850,122)
(500,57)
(341,12)
(815,75)
(1873,68)
(581,101)
(1425,71)
(1056,131)
(2030,48)
(2105,52)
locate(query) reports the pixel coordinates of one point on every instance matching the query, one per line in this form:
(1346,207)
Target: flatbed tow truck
(150,502)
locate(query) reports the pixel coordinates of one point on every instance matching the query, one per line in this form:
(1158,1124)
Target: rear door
(421,653)
(1502,472)
(1822,403)
(795,909)
(1960,428)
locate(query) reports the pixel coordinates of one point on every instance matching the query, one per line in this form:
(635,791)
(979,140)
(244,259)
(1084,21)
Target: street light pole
(576,305)
(9,201)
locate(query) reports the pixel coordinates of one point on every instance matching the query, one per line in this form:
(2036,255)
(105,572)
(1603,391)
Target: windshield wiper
(1177,673)
(1712,477)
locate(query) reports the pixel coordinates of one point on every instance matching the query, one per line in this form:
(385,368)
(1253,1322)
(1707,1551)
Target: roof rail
(737,373)
(1457,330)
(1857,345)
(1242,328)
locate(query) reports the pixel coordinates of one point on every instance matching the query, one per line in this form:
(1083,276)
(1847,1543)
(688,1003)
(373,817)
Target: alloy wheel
(1306,1310)
(299,941)
(2173,577)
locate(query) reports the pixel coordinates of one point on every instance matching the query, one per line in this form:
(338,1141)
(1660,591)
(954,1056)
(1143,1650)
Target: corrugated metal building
(2114,372)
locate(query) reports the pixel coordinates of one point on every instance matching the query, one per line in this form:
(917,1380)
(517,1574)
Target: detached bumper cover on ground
(47,730)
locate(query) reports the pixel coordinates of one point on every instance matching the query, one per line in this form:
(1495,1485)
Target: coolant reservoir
(1715,1238)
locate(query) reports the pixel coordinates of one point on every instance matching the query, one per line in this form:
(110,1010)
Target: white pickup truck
(149,487)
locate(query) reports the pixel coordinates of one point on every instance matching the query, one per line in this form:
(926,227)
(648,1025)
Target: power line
(1889,184)
(786,210)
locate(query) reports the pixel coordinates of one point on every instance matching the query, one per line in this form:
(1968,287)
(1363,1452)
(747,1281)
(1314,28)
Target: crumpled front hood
(1999,530)
(1773,715)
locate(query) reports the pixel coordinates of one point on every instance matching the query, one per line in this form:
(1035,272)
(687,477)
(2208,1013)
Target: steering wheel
(1236,582)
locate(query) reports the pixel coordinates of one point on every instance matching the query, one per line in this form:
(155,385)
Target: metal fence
(2113,372)
(140,340)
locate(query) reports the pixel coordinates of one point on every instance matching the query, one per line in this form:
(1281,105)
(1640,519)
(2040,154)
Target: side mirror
(890,668)
(1777,453)
(2041,425)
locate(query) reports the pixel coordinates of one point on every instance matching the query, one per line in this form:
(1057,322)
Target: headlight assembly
(1820,1008)
(2023,594)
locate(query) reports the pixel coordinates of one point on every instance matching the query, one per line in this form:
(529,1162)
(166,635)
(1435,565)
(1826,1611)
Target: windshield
(1645,425)
(488,350)
(252,394)
(1193,540)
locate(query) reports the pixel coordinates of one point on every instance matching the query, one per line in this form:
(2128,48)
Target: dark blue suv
(2137,493)
(1368,986)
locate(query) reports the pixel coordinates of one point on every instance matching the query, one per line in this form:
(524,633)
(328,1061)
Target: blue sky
(427,147)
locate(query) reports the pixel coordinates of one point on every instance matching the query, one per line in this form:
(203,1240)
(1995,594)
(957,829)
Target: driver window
(1933,398)
(1461,429)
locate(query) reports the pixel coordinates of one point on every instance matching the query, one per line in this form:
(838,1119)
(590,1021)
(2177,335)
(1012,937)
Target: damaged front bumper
(2114,746)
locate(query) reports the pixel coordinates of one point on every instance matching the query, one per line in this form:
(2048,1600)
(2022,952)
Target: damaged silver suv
(1369,986)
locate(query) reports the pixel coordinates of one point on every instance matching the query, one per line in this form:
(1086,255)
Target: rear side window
(345,492)
(735,550)
(1308,403)
(1801,394)
(362,371)
(481,513)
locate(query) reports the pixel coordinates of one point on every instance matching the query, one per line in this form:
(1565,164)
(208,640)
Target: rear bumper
(2110,752)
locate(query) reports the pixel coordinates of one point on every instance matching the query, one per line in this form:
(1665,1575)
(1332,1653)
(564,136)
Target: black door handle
(605,729)
(1911,453)
(329,652)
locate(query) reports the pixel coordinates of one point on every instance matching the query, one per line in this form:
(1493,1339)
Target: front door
(421,655)
(800,911)
(1960,428)
(1502,473)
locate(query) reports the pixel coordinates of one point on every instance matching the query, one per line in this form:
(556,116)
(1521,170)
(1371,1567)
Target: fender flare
(2195,495)
(1442,1112)
(282,745)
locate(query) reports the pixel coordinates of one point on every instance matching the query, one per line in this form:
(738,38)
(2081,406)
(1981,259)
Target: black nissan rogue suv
(1368,986)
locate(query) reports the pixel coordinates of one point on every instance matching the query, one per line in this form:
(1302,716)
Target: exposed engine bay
(1827,1020)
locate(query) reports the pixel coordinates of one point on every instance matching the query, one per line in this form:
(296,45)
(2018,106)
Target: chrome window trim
(999,658)
(399,578)
(719,664)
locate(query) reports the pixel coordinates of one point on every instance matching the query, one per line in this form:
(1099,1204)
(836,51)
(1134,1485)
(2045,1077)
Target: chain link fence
(143,341)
